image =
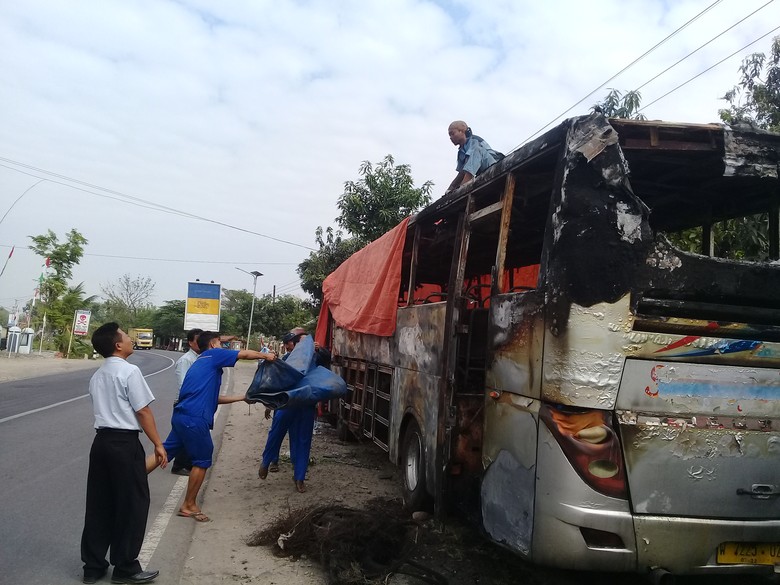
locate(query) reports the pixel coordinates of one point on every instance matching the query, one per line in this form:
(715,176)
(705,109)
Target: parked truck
(142,338)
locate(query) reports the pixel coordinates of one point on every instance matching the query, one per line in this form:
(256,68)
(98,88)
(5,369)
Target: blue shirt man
(474,154)
(193,415)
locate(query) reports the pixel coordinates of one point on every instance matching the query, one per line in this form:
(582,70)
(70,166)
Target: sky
(243,119)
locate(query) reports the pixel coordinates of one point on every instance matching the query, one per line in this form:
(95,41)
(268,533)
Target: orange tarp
(362,293)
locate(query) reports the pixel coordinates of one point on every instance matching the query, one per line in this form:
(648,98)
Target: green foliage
(332,252)
(616,104)
(59,301)
(63,257)
(741,238)
(59,319)
(275,317)
(369,207)
(272,317)
(756,97)
(168,320)
(383,196)
(236,308)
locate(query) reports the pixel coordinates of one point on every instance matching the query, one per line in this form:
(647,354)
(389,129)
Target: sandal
(274,467)
(197,516)
(262,473)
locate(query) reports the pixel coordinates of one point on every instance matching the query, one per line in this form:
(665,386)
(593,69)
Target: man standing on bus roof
(474,154)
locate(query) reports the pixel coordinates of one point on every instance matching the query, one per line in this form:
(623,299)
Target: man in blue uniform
(298,421)
(193,415)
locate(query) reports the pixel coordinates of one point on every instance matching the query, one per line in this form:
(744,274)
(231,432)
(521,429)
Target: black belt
(110,430)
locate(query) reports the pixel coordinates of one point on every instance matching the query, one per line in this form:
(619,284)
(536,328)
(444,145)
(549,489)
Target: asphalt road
(46,430)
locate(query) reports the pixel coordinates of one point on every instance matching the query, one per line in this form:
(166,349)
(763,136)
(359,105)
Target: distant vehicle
(594,397)
(142,338)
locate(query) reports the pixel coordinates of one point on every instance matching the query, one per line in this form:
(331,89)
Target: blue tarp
(298,381)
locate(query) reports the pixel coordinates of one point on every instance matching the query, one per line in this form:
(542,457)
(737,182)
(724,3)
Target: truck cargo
(142,338)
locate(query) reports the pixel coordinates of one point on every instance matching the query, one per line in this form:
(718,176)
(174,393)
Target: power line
(171,259)
(708,69)
(137,201)
(704,45)
(626,68)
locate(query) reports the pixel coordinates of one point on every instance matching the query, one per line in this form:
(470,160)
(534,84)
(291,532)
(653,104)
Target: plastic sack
(298,381)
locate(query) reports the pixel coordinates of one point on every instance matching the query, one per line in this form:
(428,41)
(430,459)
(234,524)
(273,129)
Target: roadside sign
(203,306)
(81,323)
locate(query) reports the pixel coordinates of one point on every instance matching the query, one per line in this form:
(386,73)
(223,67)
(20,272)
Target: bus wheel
(343,432)
(413,468)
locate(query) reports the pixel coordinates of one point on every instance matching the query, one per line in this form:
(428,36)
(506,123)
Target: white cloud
(255,113)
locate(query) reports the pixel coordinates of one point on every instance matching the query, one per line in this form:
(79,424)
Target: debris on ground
(354,547)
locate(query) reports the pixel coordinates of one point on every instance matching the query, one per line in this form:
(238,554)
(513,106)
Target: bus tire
(413,469)
(343,432)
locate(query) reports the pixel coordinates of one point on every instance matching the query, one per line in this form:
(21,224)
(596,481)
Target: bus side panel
(509,458)
(419,338)
(414,352)
(583,365)
(418,343)
(516,332)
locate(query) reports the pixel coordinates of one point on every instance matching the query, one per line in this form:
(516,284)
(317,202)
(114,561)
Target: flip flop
(197,516)
(273,468)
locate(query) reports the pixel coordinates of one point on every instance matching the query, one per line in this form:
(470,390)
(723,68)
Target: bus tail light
(591,445)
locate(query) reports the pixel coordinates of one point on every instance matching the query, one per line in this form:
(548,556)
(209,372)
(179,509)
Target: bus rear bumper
(690,545)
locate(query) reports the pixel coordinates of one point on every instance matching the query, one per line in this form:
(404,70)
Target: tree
(236,308)
(333,250)
(58,301)
(755,99)
(383,196)
(127,300)
(168,320)
(616,104)
(276,316)
(61,258)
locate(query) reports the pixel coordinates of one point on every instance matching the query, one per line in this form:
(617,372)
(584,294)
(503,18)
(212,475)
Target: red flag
(48,262)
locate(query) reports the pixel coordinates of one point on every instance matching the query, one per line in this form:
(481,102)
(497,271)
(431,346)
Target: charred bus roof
(686,174)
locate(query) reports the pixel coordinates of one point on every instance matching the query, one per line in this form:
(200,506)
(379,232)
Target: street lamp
(254,274)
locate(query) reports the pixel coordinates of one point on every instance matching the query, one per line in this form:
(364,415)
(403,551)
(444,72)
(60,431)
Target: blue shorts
(192,434)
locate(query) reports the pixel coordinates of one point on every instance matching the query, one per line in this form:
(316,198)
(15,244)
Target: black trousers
(117,503)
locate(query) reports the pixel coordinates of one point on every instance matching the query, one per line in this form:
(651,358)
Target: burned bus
(532,349)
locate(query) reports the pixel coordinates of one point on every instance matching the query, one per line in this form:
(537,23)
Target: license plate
(749,553)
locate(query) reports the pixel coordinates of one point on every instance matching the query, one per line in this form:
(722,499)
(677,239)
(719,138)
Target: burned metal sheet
(516,333)
(583,366)
(509,458)
(600,234)
(711,431)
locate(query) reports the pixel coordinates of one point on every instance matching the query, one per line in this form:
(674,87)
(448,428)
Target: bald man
(474,154)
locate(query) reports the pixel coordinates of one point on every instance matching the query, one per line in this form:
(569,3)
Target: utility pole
(254,274)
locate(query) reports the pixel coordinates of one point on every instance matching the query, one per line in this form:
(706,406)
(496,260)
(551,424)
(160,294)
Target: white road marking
(154,535)
(21,414)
